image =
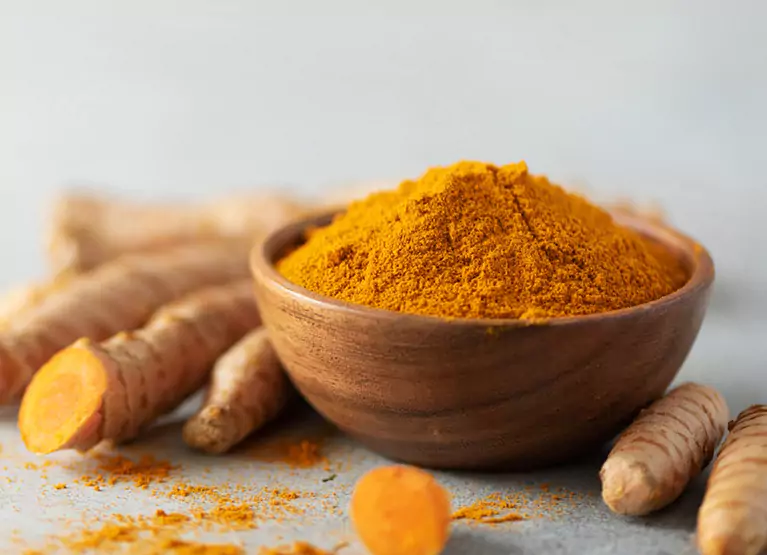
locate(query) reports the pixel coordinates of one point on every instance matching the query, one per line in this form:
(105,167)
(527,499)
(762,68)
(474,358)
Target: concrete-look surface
(655,101)
(32,510)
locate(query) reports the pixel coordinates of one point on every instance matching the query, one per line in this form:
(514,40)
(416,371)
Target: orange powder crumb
(532,502)
(180,547)
(161,518)
(152,535)
(113,469)
(236,517)
(491,510)
(305,453)
(298,548)
(206,493)
(239,507)
(510,517)
(101,537)
(60,486)
(41,466)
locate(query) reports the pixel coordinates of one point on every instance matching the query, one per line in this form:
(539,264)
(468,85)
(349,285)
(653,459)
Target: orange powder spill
(153,535)
(538,502)
(491,510)
(238,506)
(216,508)
(298,548)
(305,453)
(113,469)
(101,538)
(180,547)
(236,517)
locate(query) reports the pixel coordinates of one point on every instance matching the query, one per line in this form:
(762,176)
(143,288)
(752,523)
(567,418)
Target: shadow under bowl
(480,394)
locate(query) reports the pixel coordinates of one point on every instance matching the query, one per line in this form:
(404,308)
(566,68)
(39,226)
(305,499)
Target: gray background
(657,101)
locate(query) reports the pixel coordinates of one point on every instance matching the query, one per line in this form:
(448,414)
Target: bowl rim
(701,277)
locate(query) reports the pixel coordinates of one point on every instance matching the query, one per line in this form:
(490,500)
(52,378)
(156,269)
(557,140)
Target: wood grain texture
(480,393)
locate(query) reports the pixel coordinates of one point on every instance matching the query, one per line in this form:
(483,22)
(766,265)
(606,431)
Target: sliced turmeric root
(670,443)
(248,389)
(91,392)
(121,295)
(733,516)
(401,510)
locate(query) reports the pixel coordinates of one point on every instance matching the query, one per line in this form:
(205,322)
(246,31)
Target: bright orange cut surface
(64,396)
(400,510)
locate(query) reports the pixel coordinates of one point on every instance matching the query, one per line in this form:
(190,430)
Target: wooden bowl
(472,394)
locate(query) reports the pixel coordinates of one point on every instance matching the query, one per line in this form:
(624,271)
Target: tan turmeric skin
(475,240)
(88,230)
(248,389)
(668,444)
(733,517)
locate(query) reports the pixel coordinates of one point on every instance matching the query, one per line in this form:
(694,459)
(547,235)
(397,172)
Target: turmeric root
(401,510)
(733,517)
(248,388)
(91,392)
(118,296)
(670,443)
(22,299)
(88,230)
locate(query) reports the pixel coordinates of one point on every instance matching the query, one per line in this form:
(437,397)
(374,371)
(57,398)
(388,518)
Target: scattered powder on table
(196,492)
(299,548)
(223,506)
(304,453)
(113,469)
(160,533)
(236,516)
(239,507)
(491,510)
(534,502)
(181,547)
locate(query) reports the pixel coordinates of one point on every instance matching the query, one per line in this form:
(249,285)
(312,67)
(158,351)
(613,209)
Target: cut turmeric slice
(670,443)
(91,392)
(401,510)
(121,295)
(248,389)
(733,517)
(88,230)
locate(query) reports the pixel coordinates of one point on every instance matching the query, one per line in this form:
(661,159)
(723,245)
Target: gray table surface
(728,354)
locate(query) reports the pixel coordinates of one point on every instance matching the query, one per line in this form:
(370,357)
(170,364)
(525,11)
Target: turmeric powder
(491,510)
(118,296)
(296,453)
(142,536)
(298,548)
(112,469)
(91,392)
(400,510)
(474,240)
(733,517)
(248,389)
(670,443)
(88,230)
